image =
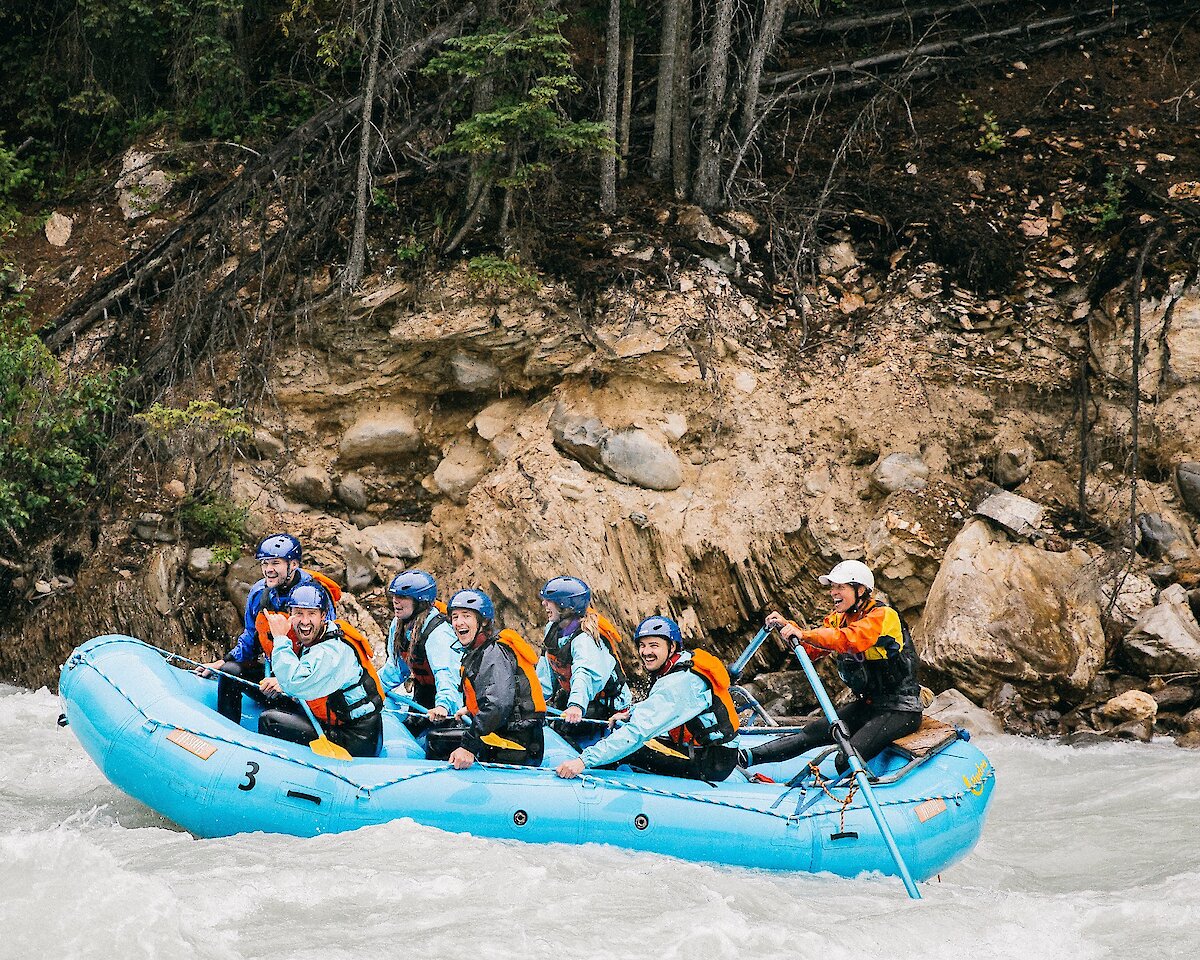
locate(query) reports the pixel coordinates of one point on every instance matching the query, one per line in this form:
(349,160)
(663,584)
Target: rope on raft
(83,658)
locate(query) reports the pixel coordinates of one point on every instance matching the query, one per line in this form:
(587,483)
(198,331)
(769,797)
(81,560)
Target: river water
(1088,853)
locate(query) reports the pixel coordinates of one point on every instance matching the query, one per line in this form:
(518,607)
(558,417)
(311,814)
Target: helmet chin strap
(859,599)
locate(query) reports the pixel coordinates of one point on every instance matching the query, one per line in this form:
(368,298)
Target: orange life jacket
(704,665)
(263,627)
(335,709)
(527,659)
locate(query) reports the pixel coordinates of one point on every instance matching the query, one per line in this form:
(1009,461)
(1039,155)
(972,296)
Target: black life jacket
(885,673)
(413,654)
(561,660)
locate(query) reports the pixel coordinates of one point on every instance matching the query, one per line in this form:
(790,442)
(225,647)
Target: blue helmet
(279,546)
(308,596)
(657,626)
(570,593)
(474,600)
(414,584)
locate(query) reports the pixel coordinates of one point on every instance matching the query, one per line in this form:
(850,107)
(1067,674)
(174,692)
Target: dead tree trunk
(681,102)
(660,147)
(357,259)
(612,65)
(764,43)
(626,103)
(707,189)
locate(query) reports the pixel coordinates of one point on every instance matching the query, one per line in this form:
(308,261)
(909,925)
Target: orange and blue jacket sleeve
(814,653)
(855,637)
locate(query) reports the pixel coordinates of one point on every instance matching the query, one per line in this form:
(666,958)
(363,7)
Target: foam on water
(1088,854)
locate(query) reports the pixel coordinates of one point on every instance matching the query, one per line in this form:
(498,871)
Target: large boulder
(1160,539)
(952,707)
(311,485)
(463,466)
(900,471)
(634,455)
(1165,638)
(202,565)
(1013,464)
(1187,481)
(141,186)
(474,374)
(382,435)
(396,538)
(1001,611)
(1183,338)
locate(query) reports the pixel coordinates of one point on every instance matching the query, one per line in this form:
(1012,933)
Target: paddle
(322,746)
(409,702)
(841,737)
(752,648)
(739,665)
(557,714)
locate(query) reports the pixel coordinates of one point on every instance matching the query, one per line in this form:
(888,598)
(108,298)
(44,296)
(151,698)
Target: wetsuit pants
(871,729)
(229,692)
(286,720)
(443,741)
(690,762)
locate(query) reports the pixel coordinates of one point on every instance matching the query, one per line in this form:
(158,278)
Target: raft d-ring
(520,818)
(641,821)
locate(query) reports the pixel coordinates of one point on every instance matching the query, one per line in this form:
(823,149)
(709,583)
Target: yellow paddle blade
(495,740)
(324,747)
(659,747)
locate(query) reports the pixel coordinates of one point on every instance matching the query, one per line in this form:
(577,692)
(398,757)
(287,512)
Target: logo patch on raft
(192,743)
(975,782)
(929,809)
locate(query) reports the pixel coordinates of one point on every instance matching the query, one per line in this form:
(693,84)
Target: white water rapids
(1088,853)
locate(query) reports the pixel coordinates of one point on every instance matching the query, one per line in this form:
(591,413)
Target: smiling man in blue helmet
(579,670)
(279,557)
(327,664)
(687,725)
(424,647)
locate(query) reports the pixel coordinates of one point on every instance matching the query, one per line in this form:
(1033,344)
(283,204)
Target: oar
(409,702)
(322,746)
(557,714)
(752,648)
(842,738)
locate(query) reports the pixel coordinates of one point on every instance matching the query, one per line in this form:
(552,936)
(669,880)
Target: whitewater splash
(1087,854)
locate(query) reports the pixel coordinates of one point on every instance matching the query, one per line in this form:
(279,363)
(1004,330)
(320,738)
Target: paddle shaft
(752,648)
(842,739)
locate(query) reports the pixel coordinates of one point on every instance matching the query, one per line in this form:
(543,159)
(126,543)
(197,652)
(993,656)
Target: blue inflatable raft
(154,732)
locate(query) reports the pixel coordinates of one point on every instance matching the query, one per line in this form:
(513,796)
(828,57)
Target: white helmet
(850,571)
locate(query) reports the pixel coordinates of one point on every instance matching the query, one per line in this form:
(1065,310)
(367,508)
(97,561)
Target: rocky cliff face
(685,453)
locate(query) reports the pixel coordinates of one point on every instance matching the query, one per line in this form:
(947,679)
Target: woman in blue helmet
(279,557)
(579,671)
(424,647)
(503,707)
(687,725)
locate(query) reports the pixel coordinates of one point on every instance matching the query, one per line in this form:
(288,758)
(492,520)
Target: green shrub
(491,274)
(203,416)
(51,426)
(217,521)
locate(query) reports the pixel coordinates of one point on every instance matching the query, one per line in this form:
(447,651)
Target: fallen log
(129,278)
(866,21)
